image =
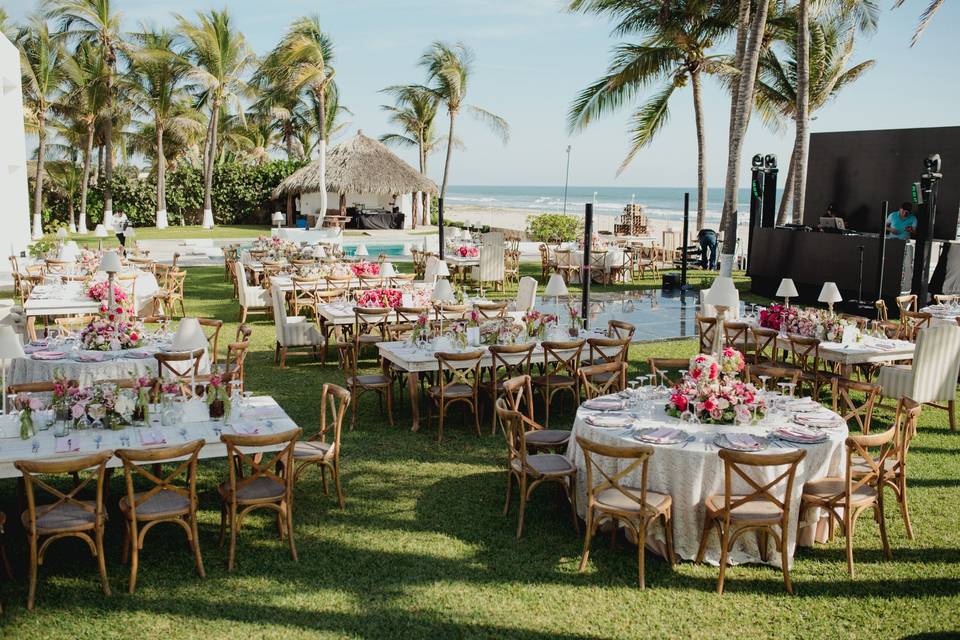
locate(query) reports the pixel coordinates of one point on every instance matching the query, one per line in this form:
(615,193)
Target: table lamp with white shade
(100,232)
(277,219)
(456,233)
(319,252)
(830,294)
(443,271)
(361,251)
(387,270)
(787,290)
(188,338)
(722,295)
(10,347)
(130,232)
(111,264)
(62,234)
(442,292)
(556,287)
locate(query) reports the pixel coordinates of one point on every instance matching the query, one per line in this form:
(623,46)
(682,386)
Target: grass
(422,550)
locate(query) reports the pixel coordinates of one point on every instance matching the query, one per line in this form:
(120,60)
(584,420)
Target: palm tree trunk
(741,114)
(802,110)
(426,196)
(701,151)
(85,180)
(108,149)
(161,174)
(787,196)
(38,180)
(211,149)
(446,164)
(321,93)
(288,136)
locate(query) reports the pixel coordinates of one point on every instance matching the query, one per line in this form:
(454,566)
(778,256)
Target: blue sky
(532,59)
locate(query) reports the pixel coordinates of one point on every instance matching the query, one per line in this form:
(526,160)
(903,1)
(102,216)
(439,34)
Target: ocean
(664,203)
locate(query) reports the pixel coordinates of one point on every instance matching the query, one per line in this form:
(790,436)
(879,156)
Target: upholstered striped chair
(932,378)
(526,294)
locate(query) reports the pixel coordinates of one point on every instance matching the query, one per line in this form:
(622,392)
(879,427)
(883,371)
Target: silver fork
(183,434)
(688,441)
(35,446)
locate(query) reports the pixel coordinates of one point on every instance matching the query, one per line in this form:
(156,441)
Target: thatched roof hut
(359,165)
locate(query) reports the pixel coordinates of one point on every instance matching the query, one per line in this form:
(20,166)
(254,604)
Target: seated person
(901,223)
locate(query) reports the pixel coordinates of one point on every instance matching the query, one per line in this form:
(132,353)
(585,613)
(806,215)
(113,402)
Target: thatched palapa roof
(359,165)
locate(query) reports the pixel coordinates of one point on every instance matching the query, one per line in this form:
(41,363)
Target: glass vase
(27,429)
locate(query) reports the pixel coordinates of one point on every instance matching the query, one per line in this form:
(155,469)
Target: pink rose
(679,401)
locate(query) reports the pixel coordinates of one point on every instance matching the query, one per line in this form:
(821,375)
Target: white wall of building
(14,197)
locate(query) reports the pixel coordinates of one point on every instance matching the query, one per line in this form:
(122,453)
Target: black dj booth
(856,172)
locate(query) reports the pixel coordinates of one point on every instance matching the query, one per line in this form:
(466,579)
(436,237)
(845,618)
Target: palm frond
(646,122)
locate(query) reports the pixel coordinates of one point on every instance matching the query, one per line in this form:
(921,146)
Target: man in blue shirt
(901,223)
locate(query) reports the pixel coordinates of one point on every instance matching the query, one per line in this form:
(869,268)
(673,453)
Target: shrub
(553,227)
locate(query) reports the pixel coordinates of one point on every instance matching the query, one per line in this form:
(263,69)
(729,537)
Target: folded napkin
(804,405)
(603,404)
(137,355)
(34,347)
(884,345)
(818,421)
(48,355)
(151,437)
(663,435)
(90,357)
(245,429)
(265,412)
(66,445)
(800,434)
(743,441)
(609,421)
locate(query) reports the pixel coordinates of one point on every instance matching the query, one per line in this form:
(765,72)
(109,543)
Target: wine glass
(763,382)
(791,386)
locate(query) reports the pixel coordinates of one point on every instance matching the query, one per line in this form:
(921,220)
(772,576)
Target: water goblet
(791,386)
(763,382)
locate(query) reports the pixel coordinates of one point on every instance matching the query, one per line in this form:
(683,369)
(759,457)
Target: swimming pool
(392,250)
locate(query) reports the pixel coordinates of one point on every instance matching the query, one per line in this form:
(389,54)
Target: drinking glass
(763,382)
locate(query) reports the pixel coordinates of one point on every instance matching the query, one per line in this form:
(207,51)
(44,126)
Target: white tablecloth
(689,474)
(69,299)
(613,258)
(942,314)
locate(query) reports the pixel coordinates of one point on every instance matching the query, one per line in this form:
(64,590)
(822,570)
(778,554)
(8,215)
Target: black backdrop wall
(858,170)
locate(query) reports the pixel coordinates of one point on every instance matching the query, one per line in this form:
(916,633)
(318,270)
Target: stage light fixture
(758,160)
(770,161)
(931,164)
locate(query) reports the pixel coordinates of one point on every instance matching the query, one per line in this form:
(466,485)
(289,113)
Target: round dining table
(690,470)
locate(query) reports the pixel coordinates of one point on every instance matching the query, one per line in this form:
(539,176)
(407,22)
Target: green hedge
(241,195)
(554,227)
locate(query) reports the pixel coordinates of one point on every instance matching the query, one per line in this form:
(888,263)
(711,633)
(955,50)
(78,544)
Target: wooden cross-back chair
(603,379)
(370,281)
(805,355)
(598,266)
(171,498)
(37,387)
(911,322)
(339,282)
(765,345)
(211,329)
(450,311)
(358,384)
(406,320)
(620,329)
(508,362)
(370,326)
(491,310)
(171,294)
(604,350)
(665,365)
(907,302)
(758,507)
(304,295)
(69,326)
(458,381)
(57,267)
(234,367)
(258,481)
(532,469)
(908,412)
(739,336)
(612,499)
(849,406)
(511,266)
(945,298)
(844,498)
(518,393)
(401,279)
(561,361)
(776,372)
(706,332)
(68,515)
(419,263)
(179,368)
(547,264)
(315,451)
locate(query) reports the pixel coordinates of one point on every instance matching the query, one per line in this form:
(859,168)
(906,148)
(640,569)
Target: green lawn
(422,550)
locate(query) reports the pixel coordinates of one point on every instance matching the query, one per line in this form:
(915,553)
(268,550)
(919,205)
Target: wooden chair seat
(262,489)
(547,438)
(162,504)
(554,380)
(370,339)
(67,516)
(452,391)
(546,464)
(827,489)
(369,380)
(614,500)
(310,449)
(758,511)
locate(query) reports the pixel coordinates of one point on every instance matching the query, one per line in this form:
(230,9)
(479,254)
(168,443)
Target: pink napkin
(742,441)
(820,421)
(34,348)
(245,430)
(663,434)
(90,357)
(48,355)
(599,404)
(151,437)
(66,445)
(137,354)
(800,433)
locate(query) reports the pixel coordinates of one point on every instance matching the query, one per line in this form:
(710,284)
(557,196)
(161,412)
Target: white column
(15,214)
(37,227)
(108,219)
(207,219)
(82,224)
(73,227)
(162,219)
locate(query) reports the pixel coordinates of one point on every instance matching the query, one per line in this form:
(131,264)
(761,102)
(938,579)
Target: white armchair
(932,377)
(251,297)
(293,332)
(526,294)
(491,267)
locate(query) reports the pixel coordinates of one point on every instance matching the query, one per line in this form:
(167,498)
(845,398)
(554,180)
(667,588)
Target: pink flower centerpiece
(115,329)
(380,299)
(364,268)
(100,291)
(712,391)
(466,251)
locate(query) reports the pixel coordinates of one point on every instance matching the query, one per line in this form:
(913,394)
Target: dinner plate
(723,442)
(609,421)
(660,435)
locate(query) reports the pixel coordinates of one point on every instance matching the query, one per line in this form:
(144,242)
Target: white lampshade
(466,235)
(442,292)
(100,231)
(277,218)
(830,293)
(556,286)
(456,233)
(189,336)
(387,270)
(110,262)
(130,232)
(443,270)
(62,233)
(406,249)
(361,250)
(723,293)
(424,247)
(320,252)
(787,289)
(10,346)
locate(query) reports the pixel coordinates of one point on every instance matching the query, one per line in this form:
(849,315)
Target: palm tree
(66,178)
(306,53)
(41,65)
(155,82)
(674,53)
(750,43)
(308,120)
(414,112)
(93,21)
(219,56)
(831,46)
(450,68)
(865,13)
(925,18)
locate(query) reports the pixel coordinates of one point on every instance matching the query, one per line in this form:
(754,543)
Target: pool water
(392,250)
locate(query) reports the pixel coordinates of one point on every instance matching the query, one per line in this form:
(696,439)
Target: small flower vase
(27,429)
(168,410)
(141,413)
(217,409)
(473,336)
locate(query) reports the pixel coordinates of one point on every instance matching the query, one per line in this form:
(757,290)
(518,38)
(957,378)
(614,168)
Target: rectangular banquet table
(260,410)
(866,352)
